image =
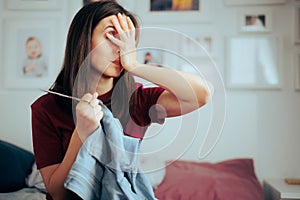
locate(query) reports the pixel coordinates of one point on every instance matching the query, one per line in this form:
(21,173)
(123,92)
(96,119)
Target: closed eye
(114,33)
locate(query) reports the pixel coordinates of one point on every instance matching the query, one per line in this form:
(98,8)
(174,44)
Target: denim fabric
(107,166)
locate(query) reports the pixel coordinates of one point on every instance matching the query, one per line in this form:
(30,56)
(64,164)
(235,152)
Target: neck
(100,83)
(104,85)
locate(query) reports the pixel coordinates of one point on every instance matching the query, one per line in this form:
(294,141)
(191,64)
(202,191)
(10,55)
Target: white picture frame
(197,45)
(152,56)
(252,2)
(143,10)
(33,4)
(296,24)
(24,67)
(253,62)
(255,21)
(297,71)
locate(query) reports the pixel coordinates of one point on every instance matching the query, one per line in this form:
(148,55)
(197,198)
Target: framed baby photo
(29,52)
(33,4)
(255,21)
(173,11)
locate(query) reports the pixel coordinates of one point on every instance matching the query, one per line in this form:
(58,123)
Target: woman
(99,63)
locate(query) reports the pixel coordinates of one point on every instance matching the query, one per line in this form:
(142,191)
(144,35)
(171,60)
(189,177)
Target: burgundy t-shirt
(52,125)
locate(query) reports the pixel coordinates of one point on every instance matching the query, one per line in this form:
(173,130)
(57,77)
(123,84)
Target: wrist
(132,66)
(84,133)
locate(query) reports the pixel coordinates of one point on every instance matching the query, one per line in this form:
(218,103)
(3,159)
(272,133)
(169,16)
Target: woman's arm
(88,117)
(183,92)
(54,176)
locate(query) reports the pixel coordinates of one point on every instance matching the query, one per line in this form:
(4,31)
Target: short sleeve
(46,141)
(144,112)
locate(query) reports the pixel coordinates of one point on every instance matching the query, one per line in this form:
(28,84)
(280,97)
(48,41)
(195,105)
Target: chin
(117,74)
(113,73)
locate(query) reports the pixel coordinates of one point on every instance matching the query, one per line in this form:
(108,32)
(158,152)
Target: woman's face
(105,56)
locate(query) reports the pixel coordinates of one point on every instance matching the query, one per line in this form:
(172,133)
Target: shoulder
(44,102)
(50,104)
(148,92)
(52,110)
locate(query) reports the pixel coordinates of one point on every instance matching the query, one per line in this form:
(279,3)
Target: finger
(94,102)
(130,23)
(114,40)
(99,115)
(87,97)
(117,25)
(95,95)
(97,109)
(123,21)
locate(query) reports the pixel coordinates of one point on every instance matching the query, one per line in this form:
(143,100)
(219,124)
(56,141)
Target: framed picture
(256,21)
(297,25)
(168,11)
(29,57)
(255,67)
(297,71)
(197,46)
(33,4)
(152,56)
(252,2)
(176,5)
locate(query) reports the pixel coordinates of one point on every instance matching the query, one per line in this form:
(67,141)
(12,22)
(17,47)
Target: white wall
(15,103)
(263,124)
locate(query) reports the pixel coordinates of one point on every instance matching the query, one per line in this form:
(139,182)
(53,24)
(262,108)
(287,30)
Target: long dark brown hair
(78,47)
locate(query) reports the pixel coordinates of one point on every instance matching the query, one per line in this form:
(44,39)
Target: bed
(187,180)
(20,179)
(175,180)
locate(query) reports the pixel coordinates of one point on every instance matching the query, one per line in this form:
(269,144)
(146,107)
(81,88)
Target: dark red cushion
(227,180)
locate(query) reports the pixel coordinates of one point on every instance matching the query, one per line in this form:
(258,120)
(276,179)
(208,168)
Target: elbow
(206,94)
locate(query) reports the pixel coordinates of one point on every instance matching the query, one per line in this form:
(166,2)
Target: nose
(116,50)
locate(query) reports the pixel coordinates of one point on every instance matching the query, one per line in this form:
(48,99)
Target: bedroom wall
(262,124)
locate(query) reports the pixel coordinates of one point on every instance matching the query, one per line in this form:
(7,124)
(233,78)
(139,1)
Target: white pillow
(35,179)
(154,169)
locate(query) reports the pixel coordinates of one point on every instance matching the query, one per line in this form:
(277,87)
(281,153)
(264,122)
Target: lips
(117,62)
